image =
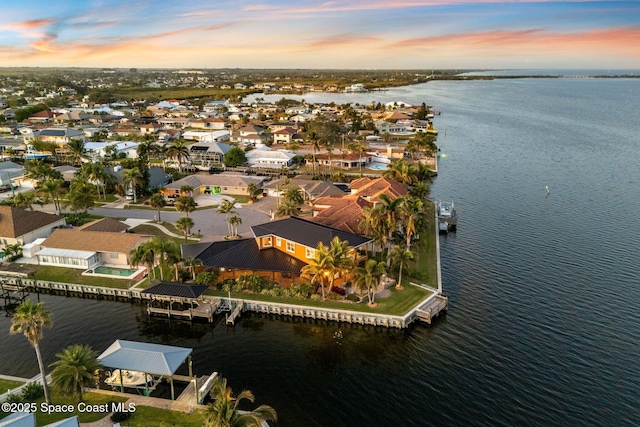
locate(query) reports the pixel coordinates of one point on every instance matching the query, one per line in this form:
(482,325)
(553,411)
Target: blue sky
(418,34)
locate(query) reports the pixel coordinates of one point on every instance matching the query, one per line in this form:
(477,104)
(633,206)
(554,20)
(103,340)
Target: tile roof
(343,213)
(306,233)
(313,188)
(15,222)
(374,188)
(95,241)
(105,224)
(244,254)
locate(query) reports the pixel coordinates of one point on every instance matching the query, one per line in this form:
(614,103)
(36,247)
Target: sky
(344,34)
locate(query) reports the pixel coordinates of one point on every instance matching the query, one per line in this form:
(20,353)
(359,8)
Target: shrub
(353,297)
(301,290)
(334,297)
(14,398)
(184,275)
(338,290)
(206,278)
(32,391)
(120,416)
(76,219)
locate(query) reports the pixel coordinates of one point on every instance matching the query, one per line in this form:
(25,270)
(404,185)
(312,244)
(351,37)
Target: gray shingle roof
(172,289)
(306,233)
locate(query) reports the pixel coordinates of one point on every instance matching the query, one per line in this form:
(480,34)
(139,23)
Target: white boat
(32,154)
(131,379)
(447,217)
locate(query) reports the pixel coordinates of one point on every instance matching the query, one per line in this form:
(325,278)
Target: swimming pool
(377,166)
(114,271)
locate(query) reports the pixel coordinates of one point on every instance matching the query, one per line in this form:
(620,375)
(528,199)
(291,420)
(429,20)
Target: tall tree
(227,208)
(76,151)
(167,251)
(157,202)
(30,319)
(186,204)
(287,208)
(51,190)
(82,195)
(367,278)
(223,410)
(178,151)
(130,179)
(235,221)
(144,254)
(294,196)
(185,224)
(319,267)
(74,370)
(401,259)
(401,171)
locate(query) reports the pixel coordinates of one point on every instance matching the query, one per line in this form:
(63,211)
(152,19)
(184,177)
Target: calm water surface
(544,290)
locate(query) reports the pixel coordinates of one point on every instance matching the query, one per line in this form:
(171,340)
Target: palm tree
(167,251)
(314,140)
(23,200)
(179,152)
(401,258)
(390,213)
(223,410)
(419,190)
(226,208)
(287,208)
(51,190)
(186,190)
(96,174)
(401,171)
(185,224)
(144,254)
(30,319)
(38,170)
(157,202)
(341,260)
(294,195)
(253,190)
(193,263)
(74,370)
(130,179)
(234,221)
(75,147)
(412,211)
(82,195)
(367,278)
(185,204)
(317,271)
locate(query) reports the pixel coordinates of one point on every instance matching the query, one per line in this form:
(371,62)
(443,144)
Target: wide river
(543,325)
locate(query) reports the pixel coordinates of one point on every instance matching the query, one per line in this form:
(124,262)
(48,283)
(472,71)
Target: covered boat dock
(187,297)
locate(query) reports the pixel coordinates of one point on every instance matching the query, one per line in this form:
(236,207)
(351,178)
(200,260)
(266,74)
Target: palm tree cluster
(233,219)
(224,410)
(328,262)
(157,252)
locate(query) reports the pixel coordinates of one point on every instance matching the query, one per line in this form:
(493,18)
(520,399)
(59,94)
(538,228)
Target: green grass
(155,231)
(150,416)
(397,304)
(84,417)
(8,384)
(425,256)
(49,273)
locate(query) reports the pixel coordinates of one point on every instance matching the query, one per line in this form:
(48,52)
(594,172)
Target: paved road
(207,222)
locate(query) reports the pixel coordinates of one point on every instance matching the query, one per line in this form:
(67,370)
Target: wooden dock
(432,308)
(204,310)
(235,313)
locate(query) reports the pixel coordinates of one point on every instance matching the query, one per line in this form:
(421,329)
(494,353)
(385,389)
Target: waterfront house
(18,226)
(278,250)
(341,212)
(371,189)
(207,152)
(86,249)
(311,189)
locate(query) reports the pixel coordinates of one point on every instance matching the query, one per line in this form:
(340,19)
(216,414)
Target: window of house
(113,255)
(278,241)
(311,253)
(291,247)
(267,241)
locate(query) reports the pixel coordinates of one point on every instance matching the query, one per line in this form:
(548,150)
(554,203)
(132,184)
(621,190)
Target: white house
(264,157)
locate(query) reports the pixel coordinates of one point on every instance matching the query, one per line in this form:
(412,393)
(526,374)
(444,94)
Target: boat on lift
(447,217)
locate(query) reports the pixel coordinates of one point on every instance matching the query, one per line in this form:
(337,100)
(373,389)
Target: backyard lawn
(8,384)
(49,273)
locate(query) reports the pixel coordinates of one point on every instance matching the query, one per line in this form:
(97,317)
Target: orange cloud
(620,40)
(340,40)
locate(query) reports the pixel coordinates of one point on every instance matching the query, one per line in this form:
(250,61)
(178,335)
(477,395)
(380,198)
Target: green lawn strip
(47,273)
(425,256)
(150,416)
(84,417)
(397,304)
(8,384)
(155,231)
